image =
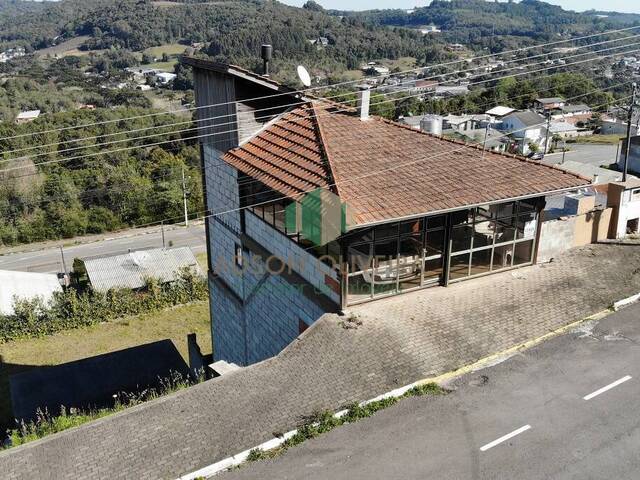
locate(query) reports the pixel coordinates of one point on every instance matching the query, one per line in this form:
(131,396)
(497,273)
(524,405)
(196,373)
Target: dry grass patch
(67,346)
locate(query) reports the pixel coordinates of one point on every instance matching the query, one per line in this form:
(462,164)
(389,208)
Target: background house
(551,103)
(26,286)
(525,128)
(131,270)
(28,116)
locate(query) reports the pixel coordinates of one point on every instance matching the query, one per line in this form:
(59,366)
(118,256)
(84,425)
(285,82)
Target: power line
(297,92)
(352,179)
(457,72)
(85,193)
(288,121)
(210,215)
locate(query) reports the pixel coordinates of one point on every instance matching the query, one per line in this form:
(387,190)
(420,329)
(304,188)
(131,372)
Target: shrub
(73,308)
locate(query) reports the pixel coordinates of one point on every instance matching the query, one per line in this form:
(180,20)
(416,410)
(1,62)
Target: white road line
(608,387)
(504,438)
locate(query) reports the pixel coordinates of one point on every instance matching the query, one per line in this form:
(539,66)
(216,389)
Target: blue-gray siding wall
(254,314)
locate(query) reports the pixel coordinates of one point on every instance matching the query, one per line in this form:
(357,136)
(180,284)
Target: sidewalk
(68,242)
(400,340)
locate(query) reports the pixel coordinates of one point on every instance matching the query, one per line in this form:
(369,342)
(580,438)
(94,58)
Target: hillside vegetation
(498,25)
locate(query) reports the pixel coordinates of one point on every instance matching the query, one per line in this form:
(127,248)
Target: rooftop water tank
(431,124)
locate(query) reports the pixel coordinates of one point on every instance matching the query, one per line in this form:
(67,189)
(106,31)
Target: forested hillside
(234,29)
(497,25)
(66,189)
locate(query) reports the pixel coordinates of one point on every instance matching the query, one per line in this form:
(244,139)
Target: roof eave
(464,207)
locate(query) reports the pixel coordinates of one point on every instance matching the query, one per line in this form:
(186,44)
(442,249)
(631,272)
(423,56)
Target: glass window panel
(526,226)
(359,287)
(414,226)
(364,235)
(526,206)
(386,265)
(502,256)
(279,217)
(409,260)
(432,270)
(359,257)
(505,209)
(483,234)
(434,244)
(485,211)
(459,267)
(436,222)
(386,231)
(461,238)
(523,252)
(504,230)
(481,261)
(461,217)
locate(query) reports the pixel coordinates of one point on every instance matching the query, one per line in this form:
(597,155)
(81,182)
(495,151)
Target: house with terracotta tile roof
(314,206)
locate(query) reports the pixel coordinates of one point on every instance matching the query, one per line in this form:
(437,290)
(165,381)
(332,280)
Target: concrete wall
(556,236)
(561,234)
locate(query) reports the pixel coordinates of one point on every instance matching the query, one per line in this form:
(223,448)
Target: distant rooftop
(25,285)
(28,115)
(528,118)
(550,100)
(500,111)
(130,270)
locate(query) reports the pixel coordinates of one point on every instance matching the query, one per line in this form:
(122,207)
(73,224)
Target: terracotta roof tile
(384,170)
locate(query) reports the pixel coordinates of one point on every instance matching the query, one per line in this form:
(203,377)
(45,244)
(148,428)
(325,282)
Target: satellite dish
(304,76)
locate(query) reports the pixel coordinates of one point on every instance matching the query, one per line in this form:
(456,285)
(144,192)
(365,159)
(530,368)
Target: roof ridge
(324,148)
(478,147)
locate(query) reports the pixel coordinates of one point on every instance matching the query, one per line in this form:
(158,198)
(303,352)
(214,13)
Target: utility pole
(64,265)
(546,138)
(162,228)
(629,122)
(484,144)
(184,199)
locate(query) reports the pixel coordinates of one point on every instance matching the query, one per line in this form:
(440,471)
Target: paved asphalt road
(536,398)
(597,155)
(49,260)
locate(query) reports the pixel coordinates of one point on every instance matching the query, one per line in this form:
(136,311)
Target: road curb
(239,458)
(625,301)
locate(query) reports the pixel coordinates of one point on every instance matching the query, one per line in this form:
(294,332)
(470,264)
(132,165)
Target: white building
(525,128)
(165,77)
(25,286)
(28,116)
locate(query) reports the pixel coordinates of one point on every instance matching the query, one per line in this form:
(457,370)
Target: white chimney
(364,97)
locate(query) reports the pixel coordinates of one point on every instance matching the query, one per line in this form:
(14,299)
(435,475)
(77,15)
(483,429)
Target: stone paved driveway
(401,340)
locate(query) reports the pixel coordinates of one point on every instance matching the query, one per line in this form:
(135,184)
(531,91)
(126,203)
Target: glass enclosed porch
(397,257)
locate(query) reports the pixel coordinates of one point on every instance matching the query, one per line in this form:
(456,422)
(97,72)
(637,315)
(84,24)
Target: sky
(631,6)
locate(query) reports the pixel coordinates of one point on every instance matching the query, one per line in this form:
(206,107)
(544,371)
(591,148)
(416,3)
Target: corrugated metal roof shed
(25,285)
(130,270)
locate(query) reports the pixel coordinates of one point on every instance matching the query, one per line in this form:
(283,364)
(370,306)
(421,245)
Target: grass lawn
(164,66)
(173,324)
(169,49)
(600,139)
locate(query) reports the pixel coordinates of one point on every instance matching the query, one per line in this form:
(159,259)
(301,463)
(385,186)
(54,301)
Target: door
(434,251)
